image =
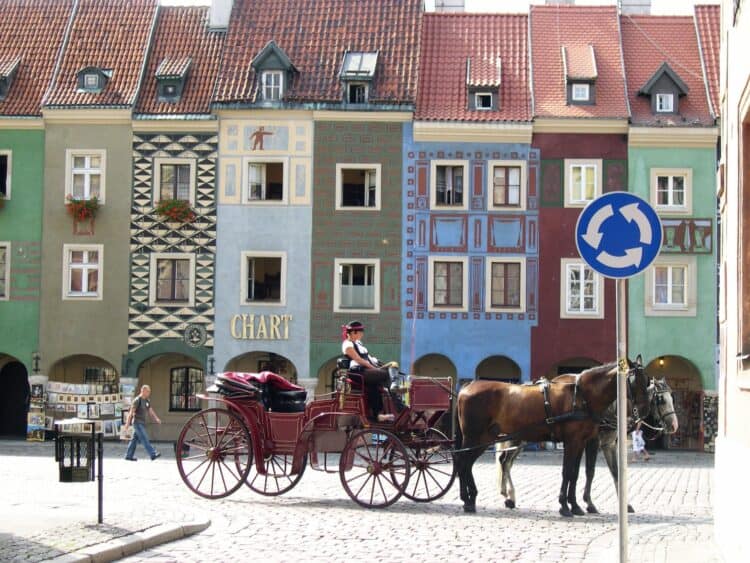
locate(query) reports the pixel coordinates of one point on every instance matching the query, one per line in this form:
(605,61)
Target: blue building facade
(470,248)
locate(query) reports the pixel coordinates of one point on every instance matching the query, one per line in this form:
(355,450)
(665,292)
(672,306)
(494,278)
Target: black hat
(354,325)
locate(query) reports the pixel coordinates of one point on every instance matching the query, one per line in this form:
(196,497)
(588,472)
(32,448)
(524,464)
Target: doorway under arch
(14,399)
(687,392)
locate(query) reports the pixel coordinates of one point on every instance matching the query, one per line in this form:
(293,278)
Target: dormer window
(273,85)
(665,103)
(357,74)
(171,76)
(579,69)
(357,93)
(483,100)
(93,79)
(665,88)
(8,69)
(483,76)
(580,92)
(274,72)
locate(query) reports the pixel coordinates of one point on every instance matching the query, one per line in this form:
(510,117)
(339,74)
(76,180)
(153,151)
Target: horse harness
(551,419)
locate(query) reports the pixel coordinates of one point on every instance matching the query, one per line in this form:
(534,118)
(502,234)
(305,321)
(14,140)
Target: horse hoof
(578,511)
(510,504)
(566,512)
(592,509)
(470,508)
(630,510)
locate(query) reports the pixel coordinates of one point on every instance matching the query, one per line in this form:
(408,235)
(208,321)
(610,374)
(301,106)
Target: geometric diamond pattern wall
(149,233)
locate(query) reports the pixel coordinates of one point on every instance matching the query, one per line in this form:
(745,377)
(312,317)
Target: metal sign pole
(622,418)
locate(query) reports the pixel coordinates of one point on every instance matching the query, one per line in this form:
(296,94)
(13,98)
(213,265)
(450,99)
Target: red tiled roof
(484,71)
(110,35)
(182,37)
(579,62)
(8,65)
(315,36)
(33,31)
(557,26)
(171,66)
(489,41)
(649,42)
(708,23)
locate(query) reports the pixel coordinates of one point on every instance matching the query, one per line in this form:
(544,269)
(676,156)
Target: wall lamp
(661,361)
(35,359)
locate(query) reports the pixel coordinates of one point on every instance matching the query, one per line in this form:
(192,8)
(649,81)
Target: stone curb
(125,546)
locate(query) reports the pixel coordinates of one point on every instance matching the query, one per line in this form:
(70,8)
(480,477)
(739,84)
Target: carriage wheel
(374,468)
(214,453)
(431,462)
(278,478)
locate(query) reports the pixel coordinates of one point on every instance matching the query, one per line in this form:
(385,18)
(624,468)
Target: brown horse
(490,411)
(662,410)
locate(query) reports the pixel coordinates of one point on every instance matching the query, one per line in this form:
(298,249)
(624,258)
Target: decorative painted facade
(580,127)
(672,165)
(32,38)
(173,217)
(356,251)
(264,243)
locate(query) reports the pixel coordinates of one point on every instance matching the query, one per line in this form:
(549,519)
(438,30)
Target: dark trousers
(374,379)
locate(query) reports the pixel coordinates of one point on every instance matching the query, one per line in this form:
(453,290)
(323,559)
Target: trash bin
(75,454)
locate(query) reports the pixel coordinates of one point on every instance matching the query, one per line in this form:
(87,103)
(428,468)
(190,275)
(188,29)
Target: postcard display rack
(36,419)
(105,404)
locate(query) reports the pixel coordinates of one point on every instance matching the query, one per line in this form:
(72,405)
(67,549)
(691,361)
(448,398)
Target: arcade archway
(14,398)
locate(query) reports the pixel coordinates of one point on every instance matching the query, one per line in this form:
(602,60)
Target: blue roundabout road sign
(618,235)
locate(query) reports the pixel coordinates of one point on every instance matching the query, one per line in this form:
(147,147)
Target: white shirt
(360,349)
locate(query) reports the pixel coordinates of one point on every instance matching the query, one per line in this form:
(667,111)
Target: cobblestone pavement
(316,521)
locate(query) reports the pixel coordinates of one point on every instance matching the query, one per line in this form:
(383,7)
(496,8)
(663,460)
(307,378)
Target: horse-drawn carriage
(249,438)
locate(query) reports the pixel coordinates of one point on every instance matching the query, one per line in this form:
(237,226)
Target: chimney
(632,7)
(218,19)
(449,5)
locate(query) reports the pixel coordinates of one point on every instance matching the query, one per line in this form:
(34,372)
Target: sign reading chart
(618,235)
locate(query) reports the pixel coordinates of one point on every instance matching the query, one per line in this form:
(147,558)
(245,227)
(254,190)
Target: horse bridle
(632,373)
(661,388)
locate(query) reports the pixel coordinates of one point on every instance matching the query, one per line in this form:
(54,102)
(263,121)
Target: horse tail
(458,438)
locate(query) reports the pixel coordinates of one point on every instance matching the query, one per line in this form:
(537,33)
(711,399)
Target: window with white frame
(356,285)
(4,270)
(272,85)
(358,186)
(448,283)
(266,180)
(172,279)
(83,271)
(665,103)
(580,92)
(85,178)
(505,285)
(581,292)
(671,286)
(447,183)
(671,190)
(5,173)
(507,184)
(174,178)
(263,278)
(583,181)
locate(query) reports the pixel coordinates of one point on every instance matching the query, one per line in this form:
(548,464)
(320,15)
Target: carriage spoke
(215,434)
(374,468)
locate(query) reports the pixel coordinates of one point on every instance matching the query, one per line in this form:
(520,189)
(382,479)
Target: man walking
(137,417)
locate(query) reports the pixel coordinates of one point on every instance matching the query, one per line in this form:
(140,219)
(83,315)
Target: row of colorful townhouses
(189,190)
